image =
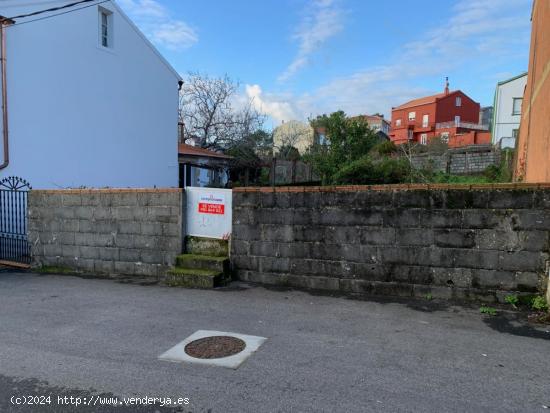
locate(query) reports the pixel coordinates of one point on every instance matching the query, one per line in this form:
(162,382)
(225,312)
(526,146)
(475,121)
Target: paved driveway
(69,336)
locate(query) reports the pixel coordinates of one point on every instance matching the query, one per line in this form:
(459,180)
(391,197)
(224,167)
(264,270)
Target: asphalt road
(67,336)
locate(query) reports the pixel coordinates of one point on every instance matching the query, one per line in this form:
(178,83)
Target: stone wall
(461,242)
(459,161)
(124,232)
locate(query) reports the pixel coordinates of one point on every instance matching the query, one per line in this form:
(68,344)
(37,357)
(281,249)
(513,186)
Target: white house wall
(81,115)
(504,121)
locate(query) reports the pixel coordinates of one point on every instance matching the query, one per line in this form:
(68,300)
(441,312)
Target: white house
(90,102)
(507,110)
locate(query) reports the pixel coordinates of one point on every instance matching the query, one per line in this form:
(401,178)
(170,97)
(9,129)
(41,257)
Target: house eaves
(511,79)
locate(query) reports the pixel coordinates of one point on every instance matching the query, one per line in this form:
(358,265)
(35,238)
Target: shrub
(366,171)
(539,303)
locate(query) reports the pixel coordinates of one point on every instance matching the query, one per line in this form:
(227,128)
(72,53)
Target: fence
(14,246)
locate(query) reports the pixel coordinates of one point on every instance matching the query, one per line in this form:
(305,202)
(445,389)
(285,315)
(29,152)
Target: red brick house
(452,115)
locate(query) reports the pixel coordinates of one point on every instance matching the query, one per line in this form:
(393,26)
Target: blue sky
(299,58)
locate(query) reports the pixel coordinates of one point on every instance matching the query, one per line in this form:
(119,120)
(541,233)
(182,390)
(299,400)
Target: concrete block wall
(463,242)
(107,231)
(459,161)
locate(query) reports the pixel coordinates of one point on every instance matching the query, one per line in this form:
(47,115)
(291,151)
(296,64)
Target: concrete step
(207,246)
(195,278)
(203,262)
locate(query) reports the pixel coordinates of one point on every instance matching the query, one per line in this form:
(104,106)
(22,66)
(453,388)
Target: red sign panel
(211,208)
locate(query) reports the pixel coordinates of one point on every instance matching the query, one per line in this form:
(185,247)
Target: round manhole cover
(215,347)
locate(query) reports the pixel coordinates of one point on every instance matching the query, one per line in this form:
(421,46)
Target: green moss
(193,278)
(55,269)
(207,246)
(184,257)
(189,271)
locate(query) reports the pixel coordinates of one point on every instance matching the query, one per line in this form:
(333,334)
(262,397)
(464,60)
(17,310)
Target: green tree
(349,139)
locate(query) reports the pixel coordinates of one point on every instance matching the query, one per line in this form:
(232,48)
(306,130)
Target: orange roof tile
(423,101)
(184,149)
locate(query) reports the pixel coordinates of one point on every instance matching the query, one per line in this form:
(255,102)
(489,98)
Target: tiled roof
(184,149)
(423,101)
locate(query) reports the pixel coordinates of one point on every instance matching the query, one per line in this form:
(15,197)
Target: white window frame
(514,100)
(445,137)
(458,101)
(424,139)
(425,121)
(398,122)
(412,116)
(105,39)
(457,120)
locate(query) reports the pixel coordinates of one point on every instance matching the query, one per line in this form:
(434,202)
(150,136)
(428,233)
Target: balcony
(463,125)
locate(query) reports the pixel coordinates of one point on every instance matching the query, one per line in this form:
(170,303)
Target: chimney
(446,86)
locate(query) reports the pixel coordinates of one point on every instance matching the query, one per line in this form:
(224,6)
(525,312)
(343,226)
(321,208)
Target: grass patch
(55,269)
(488,310)
(191,271)
(184,257)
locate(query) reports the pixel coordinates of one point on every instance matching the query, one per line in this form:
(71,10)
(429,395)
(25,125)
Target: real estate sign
(208,212)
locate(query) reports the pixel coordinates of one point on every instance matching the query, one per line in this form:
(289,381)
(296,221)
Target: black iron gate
(14,245)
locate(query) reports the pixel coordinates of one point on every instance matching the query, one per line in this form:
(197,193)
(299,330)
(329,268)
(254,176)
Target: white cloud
(276,107)
(158,25)
(322,21)
(486,33)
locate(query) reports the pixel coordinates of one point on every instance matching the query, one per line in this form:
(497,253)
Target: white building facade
(91,103)
(507,111)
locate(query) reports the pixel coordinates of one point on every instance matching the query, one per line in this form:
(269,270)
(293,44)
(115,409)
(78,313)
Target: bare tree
(212,114)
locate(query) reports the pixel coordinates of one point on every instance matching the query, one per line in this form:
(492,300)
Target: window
(445,137)
(425,121)
(458,101)
(398,122)
(516,110)
(515,133)
(322,139)
(412,115)
(457,120)
(424,139)
(105,28)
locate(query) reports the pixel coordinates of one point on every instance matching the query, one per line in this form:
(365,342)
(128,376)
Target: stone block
(249,232)
(469,258)
(528,281)
(89,252)
(240,247)
(454,238)
(149,228)
(453,277)
(153,257)
(132,227)
(125,268)
(104,267)
(443,219)
(511,199)
(109,254)
(483,218)
(494,279)
(278,233)
(129,254)
(83,212)
(532,220)
(414,236)
(522,261)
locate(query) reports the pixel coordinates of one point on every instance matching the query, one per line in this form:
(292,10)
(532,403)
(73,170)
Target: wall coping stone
(396,187)
(106,191)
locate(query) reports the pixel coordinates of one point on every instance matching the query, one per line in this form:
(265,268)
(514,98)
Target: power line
(60,14)
(66,6)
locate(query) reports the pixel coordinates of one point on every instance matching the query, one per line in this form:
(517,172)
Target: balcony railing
(464,125)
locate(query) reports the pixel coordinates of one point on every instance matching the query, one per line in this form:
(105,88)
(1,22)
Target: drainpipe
(3,67)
